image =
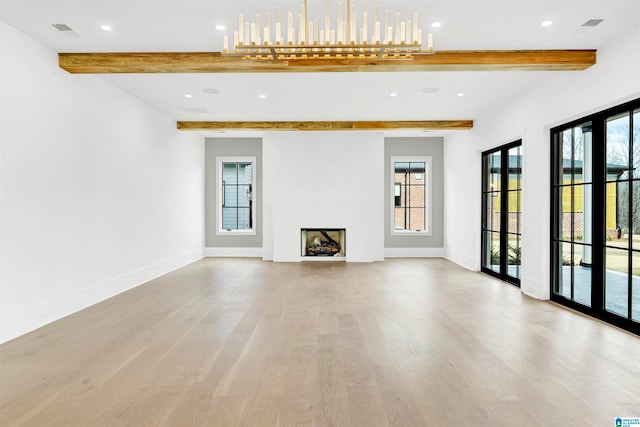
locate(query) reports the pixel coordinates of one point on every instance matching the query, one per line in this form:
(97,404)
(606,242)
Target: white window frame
(428,188)
(254,202)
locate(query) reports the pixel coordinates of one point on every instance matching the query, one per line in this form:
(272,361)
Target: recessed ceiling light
(106,27)
(220,27)
(460,94)
(436,24)
(546,23)
(188,95)
(262,96)
(393,94)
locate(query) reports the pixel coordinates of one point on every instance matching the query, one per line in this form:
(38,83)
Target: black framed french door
(502,212)
(595,215)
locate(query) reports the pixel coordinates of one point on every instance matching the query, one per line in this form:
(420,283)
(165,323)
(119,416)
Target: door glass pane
(636,144)
(564,282)
(559,229)
(616,281)
(494,252)
(486,249)
(567,156)
(634,224)
(613,221)
(582,274)
(567,212)
(581,151)
(618,202)
(515,168)
(514,211)
(557,160)
(495,172)
(514,255)
(635,287)
(493,212)
(491,216)
(581,213)
(486,178)
(618,147)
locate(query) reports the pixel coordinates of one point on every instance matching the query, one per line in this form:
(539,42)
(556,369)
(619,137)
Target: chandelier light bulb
(381,35)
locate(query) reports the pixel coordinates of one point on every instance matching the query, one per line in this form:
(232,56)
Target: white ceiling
(189,25)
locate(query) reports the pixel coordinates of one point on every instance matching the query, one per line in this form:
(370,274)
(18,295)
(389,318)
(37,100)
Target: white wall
(98,191)
(559,98)
(323,179)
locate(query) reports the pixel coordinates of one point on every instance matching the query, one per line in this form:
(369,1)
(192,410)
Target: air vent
(592,22)
(62,27)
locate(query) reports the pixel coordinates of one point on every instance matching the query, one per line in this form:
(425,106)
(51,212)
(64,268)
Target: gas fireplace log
(326,236)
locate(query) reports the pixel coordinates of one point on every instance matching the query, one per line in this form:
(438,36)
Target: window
(411,201)
(502,212)
(397,192)
(595,225)
(236,197)
(572,237)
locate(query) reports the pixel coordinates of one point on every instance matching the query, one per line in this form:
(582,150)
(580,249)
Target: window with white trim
(236,195)
(411,195)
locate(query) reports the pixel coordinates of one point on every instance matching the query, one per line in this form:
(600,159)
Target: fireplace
(323,242)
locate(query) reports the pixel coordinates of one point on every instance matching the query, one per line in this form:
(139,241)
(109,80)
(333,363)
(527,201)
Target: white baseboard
(233,252)
(413,252)
(15,324)
(462,260)
(533,288)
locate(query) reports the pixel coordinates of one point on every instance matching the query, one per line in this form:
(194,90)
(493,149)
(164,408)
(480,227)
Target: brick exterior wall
(514,218)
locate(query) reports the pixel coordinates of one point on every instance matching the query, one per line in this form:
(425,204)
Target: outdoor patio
(616,298)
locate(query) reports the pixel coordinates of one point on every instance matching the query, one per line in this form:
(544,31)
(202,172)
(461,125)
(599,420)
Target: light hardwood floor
(404,342)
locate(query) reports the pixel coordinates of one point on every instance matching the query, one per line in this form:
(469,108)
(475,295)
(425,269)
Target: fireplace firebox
(323,242)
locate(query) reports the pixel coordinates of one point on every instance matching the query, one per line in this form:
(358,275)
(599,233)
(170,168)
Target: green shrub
(515,255)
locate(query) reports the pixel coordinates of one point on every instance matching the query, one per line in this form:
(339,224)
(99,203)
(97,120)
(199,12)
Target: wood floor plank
(225,411)
(332,399)
(357,365)
(299,399)
(366,407)
(235,342)
(397,398)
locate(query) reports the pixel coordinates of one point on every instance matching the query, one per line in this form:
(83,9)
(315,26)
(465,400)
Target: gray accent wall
(216,147)
(433,147)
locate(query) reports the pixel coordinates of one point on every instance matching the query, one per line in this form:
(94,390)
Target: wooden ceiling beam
(214,62)
(329,125)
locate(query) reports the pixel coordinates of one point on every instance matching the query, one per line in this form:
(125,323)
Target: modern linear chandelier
(386,37)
